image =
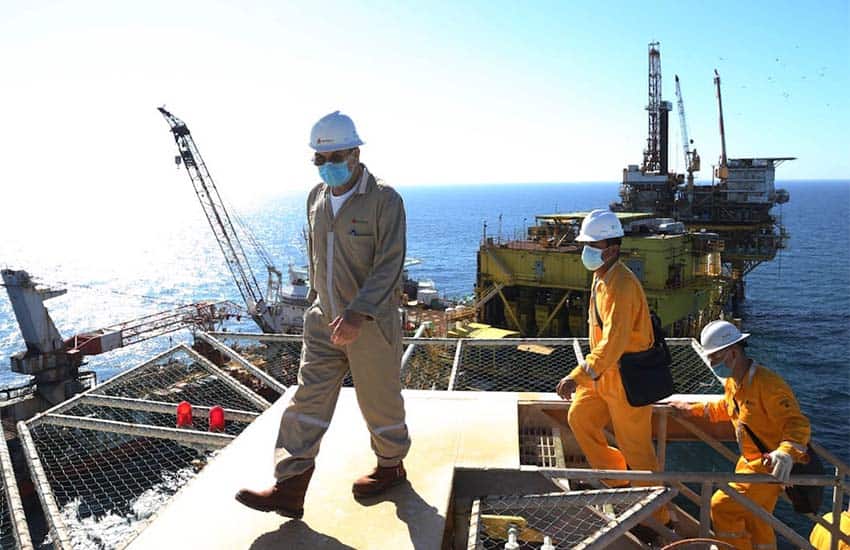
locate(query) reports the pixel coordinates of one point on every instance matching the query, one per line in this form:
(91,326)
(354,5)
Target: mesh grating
(570,520)
(429,366)
(108,484)
(519,366)
(540,446)
(513,367)
(690,373)
(177,377)
(200,422)
(279,359)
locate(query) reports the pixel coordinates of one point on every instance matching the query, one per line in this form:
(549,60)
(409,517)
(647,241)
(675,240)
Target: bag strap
(593,300)
(753,436)
(654,321)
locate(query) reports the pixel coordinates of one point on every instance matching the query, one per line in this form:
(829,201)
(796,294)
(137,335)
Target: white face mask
(592,258)
(721,369)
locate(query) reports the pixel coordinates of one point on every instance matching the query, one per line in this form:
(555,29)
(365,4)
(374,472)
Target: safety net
(106,460)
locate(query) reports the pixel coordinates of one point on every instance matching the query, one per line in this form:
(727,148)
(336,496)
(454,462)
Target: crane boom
(722,169)
(682,123)
(692,161)
(219,220)
(204,315)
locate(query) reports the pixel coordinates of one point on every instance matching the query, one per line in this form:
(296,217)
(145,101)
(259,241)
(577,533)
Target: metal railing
(103,461)
(78,451)
(13,524)
(711,481)
(460,364)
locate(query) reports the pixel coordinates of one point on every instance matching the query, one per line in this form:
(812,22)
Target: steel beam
(191,437)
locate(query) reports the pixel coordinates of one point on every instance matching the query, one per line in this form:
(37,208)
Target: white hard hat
(718,335)
(334,132)
(598,226)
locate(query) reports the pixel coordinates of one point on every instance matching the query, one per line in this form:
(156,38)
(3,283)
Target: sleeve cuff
(363,308)
(699,409)
(796,450)
(580,376)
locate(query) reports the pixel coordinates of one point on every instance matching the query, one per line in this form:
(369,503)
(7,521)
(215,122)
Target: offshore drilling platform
(690,245)
(736,205)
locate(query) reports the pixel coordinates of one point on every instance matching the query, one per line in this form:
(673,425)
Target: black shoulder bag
(806,499)
(646,374)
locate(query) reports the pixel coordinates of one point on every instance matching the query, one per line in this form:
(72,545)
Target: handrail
(841,472)
(709,481)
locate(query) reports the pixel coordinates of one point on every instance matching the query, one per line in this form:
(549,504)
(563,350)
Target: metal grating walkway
(577,520)
(108,459)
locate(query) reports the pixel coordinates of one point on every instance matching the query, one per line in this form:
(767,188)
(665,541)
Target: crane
(722,172)
(54,361)
(204,315)
(273,313)
(691,157)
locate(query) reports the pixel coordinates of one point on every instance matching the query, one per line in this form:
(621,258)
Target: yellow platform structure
(448,430)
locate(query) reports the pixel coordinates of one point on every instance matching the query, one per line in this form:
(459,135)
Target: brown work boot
(378,481)
(285,497)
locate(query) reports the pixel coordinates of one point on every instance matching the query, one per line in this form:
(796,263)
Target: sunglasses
(335,157)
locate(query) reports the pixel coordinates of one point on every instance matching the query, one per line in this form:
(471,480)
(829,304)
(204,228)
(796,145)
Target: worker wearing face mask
(356,249)
(758,399)
(618,303)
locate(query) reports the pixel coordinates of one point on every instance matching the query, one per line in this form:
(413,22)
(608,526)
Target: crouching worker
(760,405)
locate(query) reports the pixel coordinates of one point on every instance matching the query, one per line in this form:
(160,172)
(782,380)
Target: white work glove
(781,462)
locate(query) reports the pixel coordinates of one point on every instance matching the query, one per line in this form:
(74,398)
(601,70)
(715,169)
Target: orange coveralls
(600,397)
(767,405)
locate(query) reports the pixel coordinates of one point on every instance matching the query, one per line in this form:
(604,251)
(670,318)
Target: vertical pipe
(662,438)
(837,505)
(663,135)
(410,347)
(705,509)
(456,364)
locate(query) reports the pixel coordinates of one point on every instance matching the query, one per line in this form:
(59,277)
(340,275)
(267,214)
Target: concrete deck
(448,429)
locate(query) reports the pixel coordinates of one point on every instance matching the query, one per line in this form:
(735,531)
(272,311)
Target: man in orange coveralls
(626,328)
(760,399)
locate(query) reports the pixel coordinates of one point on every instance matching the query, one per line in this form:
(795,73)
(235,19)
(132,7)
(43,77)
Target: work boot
(285,497)
(378,481)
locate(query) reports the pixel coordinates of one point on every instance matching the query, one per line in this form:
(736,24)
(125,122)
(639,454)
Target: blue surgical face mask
(335,174)
(591,258)
(721,369)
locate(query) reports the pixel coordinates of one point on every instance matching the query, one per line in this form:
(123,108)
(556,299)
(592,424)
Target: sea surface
(797,306)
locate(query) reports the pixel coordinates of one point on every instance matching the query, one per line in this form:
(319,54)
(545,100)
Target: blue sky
(442,92)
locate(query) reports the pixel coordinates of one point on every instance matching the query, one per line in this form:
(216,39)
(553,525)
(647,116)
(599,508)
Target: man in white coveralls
(356,244)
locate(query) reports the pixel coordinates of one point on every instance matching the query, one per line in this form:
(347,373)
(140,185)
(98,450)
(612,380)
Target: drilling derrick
(650,188)
(655,155)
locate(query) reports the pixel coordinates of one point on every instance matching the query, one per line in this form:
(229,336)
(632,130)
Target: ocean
(797,307)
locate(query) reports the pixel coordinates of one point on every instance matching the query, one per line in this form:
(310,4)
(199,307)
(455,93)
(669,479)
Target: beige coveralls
(356,263)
